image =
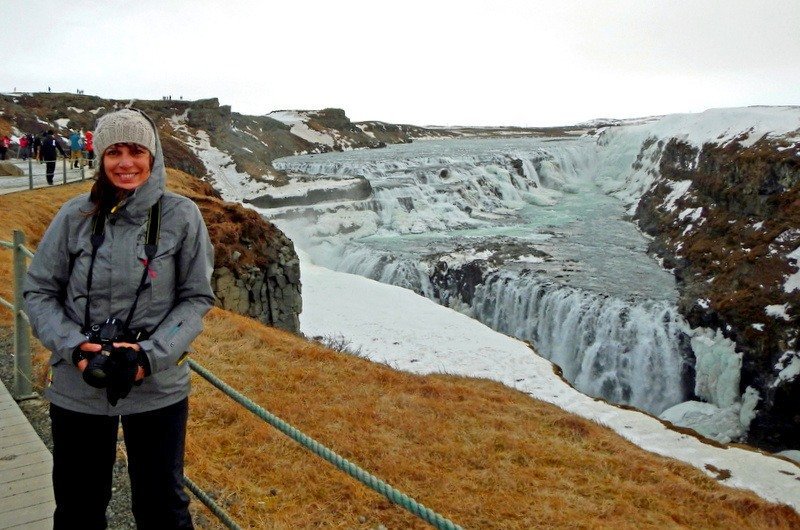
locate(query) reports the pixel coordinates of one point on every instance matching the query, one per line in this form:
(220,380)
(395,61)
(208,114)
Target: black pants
(84,450)
(50,169)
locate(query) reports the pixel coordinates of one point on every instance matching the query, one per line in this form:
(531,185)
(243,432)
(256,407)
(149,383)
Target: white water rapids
(514,233)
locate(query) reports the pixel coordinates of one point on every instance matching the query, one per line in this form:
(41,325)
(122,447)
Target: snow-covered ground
(408,332)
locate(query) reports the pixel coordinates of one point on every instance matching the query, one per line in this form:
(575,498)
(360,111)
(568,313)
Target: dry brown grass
(479,453)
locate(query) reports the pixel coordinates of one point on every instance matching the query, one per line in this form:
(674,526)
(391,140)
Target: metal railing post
(64,166)
(30,173)
(83,172)
(23,388)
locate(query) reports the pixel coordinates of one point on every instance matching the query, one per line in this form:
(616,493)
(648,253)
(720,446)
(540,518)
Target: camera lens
(96,373)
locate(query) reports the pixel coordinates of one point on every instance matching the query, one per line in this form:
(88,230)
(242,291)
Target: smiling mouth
(127,176)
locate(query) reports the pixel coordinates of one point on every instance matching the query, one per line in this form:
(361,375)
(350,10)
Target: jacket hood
(138,203)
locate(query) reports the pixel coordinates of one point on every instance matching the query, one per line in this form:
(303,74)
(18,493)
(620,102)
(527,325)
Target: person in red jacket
(88,146)
(5,142)
(24,148)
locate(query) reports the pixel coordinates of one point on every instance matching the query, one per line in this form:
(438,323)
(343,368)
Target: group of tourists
(81,148)
(46,146)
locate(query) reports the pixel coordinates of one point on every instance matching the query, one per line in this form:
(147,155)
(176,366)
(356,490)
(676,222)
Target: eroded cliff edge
(726,218)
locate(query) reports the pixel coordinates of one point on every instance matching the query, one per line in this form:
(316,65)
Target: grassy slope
(481,454)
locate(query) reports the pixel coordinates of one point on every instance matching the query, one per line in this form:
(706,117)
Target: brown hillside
(482,454)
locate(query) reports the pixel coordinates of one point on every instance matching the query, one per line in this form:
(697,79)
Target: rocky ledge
(256,269)
(726,218)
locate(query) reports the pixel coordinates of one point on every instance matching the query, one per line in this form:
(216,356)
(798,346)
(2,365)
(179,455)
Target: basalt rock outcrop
(256,269)
(725,218)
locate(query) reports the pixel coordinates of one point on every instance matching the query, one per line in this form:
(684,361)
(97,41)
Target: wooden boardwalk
(26,492)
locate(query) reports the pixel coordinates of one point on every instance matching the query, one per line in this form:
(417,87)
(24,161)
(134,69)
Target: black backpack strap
(150,249)
(153,230)
(98,236)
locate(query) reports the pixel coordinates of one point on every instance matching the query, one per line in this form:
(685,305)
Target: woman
(112,256)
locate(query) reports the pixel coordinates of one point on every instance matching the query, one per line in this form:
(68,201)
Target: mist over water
(514,233)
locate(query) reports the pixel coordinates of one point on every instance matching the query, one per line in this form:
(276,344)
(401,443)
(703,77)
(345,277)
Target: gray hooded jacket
(172,307)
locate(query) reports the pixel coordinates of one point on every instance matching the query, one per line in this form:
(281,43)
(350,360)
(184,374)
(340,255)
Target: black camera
(111,368)
(98,370)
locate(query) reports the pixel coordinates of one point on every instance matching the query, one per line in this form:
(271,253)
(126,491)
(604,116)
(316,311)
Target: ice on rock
(722,425)
(718,367)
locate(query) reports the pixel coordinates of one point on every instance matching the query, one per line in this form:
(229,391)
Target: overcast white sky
(500,62)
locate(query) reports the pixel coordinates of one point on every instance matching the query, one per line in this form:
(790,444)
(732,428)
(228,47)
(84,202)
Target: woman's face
(127,166)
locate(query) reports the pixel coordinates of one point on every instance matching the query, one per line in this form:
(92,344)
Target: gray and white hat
(124,126)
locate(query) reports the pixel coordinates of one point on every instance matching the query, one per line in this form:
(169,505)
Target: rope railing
(215,508)
(23,389)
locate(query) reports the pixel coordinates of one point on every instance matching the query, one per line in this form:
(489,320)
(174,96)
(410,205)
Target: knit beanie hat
(124,126)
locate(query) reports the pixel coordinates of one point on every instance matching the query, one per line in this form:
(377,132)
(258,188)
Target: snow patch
(679,189)
(789,366)
(529,259)
(310,135)
(793,280)
(692,213)
(778,311)
(457,259)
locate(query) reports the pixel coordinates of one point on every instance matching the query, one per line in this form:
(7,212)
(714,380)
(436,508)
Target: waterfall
(624,352)
(425,204)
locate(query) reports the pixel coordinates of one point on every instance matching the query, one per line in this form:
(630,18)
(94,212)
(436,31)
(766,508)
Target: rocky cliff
(726,218)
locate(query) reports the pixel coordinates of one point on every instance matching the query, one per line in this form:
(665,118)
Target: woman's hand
(89,347)
(133,345)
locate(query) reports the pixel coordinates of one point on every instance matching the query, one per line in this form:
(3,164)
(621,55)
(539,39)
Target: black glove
(99,369)
(144,362)
(78,355)
(124,367)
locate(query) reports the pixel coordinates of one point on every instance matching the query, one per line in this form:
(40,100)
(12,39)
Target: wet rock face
(457,283)
(725,218)
(257,272)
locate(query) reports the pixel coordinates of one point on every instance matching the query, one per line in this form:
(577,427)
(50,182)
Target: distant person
(29,137)
(37,146)
(131,251)
(24,147)
(50,144)
(88,146)
(75,149)
(5,143)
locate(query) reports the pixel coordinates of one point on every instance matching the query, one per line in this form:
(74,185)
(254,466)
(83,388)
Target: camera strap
(150,249)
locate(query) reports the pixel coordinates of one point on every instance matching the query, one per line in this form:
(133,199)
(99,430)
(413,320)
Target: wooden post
(23,388)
